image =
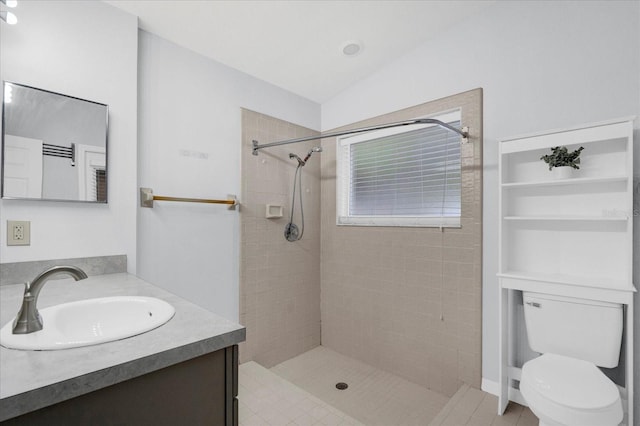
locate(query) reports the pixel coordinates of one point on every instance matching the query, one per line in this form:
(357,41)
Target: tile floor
(301,391)
(473,407)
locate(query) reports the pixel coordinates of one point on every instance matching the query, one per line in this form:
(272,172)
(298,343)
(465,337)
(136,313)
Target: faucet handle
(27,287)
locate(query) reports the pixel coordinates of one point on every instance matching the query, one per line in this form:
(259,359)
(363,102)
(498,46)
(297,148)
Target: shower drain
(342,386)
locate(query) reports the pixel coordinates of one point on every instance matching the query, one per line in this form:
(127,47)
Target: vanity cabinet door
(232,385)
(200,391)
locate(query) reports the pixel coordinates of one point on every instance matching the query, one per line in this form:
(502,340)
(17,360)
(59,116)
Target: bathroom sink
(90,322)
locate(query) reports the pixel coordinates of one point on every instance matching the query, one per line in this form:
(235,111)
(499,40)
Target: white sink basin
(90,322)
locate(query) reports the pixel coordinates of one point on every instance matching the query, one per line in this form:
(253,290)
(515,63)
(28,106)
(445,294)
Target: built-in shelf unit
(571,236)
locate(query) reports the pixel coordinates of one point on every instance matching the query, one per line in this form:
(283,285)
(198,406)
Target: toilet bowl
(570,392)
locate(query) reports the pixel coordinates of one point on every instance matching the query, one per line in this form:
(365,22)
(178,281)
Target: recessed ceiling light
(351,48)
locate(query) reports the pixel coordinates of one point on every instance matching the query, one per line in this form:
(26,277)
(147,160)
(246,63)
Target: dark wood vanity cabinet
(200,391)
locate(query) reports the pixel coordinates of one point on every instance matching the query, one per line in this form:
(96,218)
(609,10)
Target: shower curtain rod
(464,132)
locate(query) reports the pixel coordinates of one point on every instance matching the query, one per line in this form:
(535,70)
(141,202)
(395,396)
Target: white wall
(542,65)
(636,251)
(88,50)
(189,146)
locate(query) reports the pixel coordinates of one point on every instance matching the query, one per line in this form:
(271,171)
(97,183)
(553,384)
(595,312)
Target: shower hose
(291,231)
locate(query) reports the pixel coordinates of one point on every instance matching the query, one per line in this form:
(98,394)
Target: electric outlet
(18,233)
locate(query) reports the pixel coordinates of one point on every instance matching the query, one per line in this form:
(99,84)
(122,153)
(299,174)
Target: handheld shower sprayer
(311,151)
(291,230)
(302,162)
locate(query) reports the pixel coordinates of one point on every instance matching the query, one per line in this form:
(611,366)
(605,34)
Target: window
(404,176)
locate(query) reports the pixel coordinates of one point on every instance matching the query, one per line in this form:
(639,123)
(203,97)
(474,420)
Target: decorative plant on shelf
(561,157)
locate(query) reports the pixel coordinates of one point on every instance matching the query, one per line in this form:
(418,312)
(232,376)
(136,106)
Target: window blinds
(412,178)
(98,190)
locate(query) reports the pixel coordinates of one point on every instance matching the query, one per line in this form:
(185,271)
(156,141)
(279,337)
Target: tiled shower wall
(408,300)
(279,280)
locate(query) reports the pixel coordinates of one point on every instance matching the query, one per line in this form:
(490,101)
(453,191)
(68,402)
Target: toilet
(564,385)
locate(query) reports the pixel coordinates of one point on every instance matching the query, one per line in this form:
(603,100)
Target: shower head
(311,151)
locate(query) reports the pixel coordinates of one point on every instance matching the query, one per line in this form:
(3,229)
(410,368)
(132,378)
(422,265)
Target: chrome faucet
(28,319)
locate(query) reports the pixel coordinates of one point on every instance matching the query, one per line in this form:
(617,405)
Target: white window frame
(343,177)
(88,159)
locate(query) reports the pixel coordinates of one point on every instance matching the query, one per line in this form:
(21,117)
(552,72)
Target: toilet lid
(571,382)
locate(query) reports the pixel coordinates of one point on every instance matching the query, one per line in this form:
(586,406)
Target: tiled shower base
(266,399)
(302,391)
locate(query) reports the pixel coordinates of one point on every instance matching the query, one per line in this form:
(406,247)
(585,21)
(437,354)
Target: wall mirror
(54,147)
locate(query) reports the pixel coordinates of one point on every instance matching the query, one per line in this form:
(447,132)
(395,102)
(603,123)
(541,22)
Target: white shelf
(572,181)
(578,226)
(582,136)
(566,286)
(569,218)
(573,280)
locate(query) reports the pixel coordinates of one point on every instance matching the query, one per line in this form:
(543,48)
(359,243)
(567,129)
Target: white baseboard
(493,388)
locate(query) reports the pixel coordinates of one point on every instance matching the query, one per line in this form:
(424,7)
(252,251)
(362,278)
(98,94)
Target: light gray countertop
(30,380)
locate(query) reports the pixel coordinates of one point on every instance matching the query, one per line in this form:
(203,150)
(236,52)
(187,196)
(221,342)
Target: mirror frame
(106,147)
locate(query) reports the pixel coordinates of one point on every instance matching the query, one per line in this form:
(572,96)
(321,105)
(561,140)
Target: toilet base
(541,423)
(544,421)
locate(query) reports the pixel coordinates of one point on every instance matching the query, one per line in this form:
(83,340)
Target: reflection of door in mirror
(91,162)
(22,167)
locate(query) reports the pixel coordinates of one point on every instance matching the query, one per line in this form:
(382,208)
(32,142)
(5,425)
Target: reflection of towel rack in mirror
(147,198)
(60,151)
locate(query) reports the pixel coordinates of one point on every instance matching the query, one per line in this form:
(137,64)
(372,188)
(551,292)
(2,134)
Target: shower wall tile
(408,300)
(279,280)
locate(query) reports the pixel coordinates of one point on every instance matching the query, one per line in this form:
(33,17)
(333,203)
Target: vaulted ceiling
(298,45)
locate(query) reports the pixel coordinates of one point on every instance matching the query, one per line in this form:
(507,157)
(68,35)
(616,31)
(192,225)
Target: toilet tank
(578,328)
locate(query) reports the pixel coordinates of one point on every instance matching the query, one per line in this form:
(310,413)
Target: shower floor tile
(266,399)
(374,397)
